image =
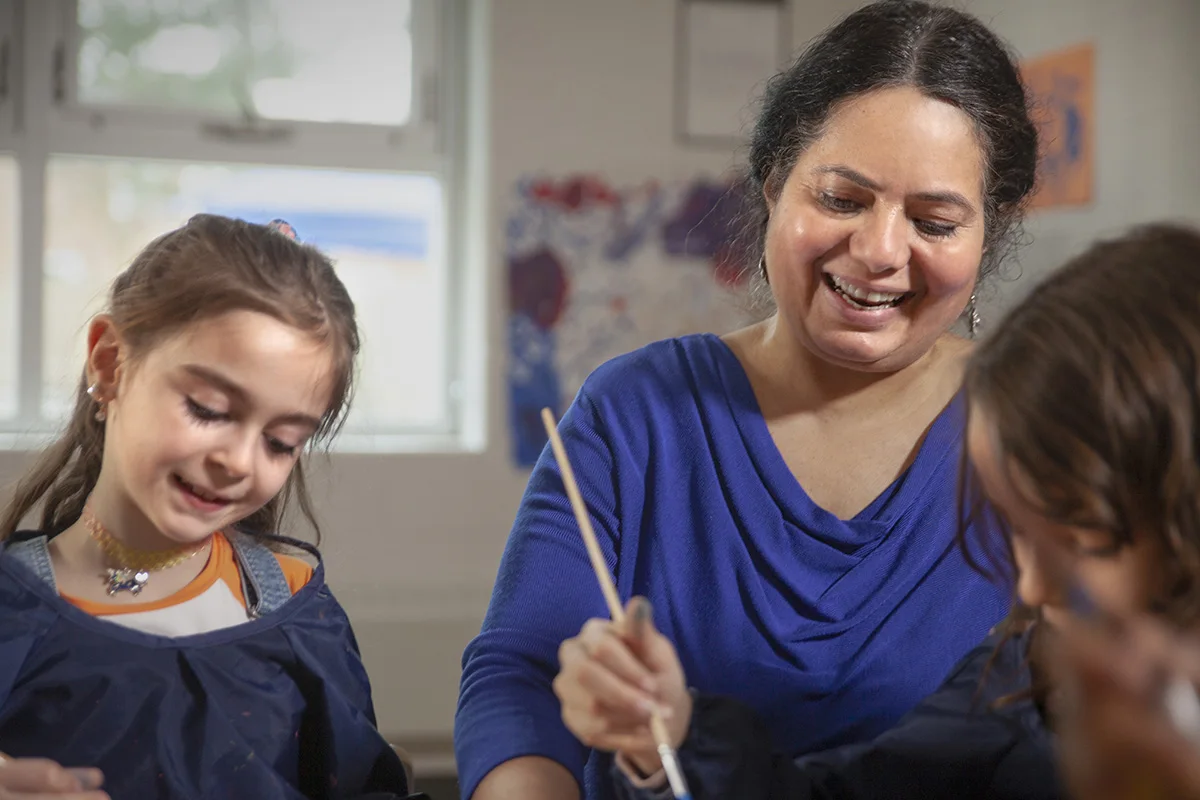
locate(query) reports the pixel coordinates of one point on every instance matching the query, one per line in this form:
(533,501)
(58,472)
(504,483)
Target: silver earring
(93,392)
(973,320)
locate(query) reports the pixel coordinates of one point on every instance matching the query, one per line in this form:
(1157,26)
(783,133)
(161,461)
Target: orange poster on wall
(1063,86)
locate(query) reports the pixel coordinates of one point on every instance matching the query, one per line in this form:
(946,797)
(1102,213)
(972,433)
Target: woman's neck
(797,381)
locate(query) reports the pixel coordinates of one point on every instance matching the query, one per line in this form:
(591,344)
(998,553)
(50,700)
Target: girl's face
(205,428)
(1123,579)
(875,238)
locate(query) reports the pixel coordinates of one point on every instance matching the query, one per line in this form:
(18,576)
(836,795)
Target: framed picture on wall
(724,52)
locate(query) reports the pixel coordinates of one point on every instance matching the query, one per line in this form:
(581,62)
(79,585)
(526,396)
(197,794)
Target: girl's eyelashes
(1107,550)
(201,413)
(281,448)
(204,415)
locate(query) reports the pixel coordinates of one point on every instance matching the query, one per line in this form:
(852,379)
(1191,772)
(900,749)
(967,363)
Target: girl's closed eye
(282,448)
(202,413)
(1098,545)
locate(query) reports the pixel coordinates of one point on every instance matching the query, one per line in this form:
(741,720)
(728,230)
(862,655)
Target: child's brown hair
(1093,388)
(210,266)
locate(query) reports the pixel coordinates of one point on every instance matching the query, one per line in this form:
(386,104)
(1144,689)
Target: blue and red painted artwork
(595,271)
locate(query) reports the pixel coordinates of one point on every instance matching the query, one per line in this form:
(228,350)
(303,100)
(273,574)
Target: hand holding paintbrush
(610,653)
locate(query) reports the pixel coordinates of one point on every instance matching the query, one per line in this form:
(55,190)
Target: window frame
(43,120)
(9,75)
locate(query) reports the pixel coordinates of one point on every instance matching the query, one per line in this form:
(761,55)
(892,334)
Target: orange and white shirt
(214,600)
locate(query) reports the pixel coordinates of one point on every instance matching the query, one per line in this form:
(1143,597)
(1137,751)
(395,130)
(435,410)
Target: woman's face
(1123,579)
(875,238)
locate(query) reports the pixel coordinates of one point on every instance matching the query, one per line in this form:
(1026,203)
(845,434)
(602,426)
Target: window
(8,286)
(133,115)
(314,60)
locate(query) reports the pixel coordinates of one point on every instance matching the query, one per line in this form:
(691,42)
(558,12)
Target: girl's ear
(105,357)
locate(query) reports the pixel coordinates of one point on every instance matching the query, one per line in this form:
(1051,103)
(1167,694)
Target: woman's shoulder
(664,371)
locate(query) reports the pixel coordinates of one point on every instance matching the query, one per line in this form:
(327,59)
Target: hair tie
(284,227)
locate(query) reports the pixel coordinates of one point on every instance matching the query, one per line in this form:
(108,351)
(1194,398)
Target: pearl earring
(93,392)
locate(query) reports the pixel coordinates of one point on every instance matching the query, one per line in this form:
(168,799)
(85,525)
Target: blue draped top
(829,629)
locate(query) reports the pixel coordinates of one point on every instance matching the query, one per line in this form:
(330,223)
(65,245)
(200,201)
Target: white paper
(731,49)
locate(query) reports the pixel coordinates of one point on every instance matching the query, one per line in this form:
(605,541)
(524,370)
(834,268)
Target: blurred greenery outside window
(327,114)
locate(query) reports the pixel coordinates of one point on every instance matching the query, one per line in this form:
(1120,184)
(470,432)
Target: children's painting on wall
(596,270)
(1063,86)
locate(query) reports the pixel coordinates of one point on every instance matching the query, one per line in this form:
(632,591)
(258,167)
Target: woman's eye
(938,230)
(835,203)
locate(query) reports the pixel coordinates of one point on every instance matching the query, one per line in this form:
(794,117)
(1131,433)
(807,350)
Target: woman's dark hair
(947,55)
(208,267)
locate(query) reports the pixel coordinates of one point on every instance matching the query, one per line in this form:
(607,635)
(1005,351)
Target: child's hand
(33,778)
(610,680)
(1117,739)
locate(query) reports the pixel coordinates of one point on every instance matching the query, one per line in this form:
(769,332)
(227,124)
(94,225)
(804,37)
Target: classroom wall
(413,541)
(1147,117)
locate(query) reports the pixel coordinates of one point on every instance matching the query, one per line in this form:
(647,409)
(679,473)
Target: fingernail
(88,778)
(641,612)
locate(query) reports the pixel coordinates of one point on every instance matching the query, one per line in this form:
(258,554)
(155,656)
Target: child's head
(1084,425)
(226,348)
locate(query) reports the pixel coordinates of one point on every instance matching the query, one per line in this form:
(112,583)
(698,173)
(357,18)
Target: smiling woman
(894,233)
(785,494)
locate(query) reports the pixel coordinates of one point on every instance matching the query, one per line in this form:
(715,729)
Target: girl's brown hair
(1092,387)
(210,266)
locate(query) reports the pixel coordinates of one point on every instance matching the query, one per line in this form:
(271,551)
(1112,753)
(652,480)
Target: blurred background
(514,191)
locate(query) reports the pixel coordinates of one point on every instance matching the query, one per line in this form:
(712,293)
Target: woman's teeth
(863,298)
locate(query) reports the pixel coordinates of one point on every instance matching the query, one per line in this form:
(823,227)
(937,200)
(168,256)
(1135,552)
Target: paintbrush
(658,728)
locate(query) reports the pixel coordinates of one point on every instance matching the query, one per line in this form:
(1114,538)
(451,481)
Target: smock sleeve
(950,746)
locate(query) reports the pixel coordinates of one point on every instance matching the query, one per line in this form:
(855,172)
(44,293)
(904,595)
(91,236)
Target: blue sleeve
(544,592)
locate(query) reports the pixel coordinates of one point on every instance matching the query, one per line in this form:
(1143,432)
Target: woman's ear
(770,192)
(105,357)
